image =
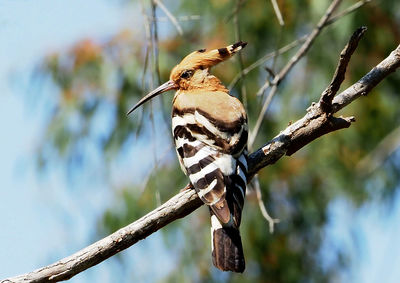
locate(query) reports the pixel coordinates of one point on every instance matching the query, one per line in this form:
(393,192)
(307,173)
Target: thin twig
(156,71)
(146,24)
(275,58)
(156,59)
(179,18)
(173,20)
(269,83)
(267,102)
(294,43)
(156,64)
(147,29)
(347,11)
(234,11)
(264,212)
(308,42)
(292,62)
(237,39)
(277,13)
(265,58)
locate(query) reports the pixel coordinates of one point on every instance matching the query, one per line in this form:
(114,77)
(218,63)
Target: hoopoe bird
(210,131)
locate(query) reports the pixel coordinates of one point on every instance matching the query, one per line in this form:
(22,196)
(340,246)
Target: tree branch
(286,69)
(290,140)
(330,92)
(369,81)
(293,44)
(178,206)
(313,125)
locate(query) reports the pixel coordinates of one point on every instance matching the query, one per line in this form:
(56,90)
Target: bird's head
(192,70)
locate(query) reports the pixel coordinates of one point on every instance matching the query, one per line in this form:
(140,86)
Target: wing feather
(218,177)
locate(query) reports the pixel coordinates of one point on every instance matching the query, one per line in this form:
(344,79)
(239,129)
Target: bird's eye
(187,74)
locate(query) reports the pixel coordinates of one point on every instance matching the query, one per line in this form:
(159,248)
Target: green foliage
(105,79)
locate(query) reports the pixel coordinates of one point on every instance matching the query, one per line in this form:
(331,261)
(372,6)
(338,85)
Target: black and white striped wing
(219,178)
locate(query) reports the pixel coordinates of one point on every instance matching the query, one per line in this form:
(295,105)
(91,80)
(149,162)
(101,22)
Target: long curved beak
(162,88)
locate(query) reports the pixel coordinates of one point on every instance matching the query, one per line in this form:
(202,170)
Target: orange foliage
(86,51)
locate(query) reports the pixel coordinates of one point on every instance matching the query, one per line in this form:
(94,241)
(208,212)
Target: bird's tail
(227,250)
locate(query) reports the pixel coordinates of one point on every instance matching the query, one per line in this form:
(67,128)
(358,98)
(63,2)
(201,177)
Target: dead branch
(314,124)
(330,92)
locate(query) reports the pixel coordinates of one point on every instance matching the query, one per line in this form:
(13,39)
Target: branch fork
(319,119)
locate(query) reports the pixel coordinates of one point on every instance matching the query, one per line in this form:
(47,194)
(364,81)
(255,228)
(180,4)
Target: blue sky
(370,236)
(42,220)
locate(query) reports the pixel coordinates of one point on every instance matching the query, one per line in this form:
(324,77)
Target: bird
(210,132)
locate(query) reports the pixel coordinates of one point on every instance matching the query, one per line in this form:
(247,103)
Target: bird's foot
(188,187)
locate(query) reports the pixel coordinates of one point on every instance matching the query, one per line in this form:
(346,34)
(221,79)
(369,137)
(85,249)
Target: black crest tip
(239,44)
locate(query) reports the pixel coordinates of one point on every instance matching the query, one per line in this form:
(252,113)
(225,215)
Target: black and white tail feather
(227,250)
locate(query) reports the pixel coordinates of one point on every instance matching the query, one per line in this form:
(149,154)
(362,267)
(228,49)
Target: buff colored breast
(219,105)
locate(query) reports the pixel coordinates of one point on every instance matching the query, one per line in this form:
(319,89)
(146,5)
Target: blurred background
(74,168)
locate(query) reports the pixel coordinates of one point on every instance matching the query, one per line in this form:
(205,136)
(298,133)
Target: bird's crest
(203,59)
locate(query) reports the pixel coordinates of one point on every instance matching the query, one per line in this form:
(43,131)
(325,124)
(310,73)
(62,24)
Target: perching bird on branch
(210,133)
